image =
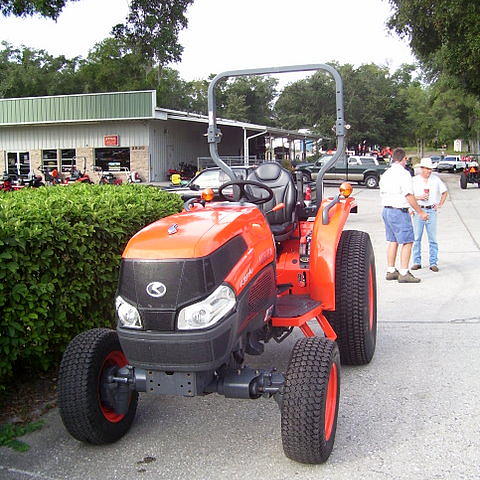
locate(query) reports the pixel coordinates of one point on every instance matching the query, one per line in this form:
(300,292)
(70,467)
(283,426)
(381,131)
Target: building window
(112,159)
(67,159)
(18,163)
(49,159)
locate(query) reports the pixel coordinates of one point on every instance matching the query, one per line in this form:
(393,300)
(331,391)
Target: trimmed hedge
(60,250)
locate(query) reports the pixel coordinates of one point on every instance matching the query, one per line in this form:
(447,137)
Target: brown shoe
(392,275)
(416,267)
(433,268)
(408,278)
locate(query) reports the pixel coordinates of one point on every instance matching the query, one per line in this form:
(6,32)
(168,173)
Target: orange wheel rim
(331,402)
(113,358)
(371,300)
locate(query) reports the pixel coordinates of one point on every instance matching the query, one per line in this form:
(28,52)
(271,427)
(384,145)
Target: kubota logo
(156,289)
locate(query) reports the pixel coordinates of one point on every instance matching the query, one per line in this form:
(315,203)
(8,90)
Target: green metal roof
(74,108)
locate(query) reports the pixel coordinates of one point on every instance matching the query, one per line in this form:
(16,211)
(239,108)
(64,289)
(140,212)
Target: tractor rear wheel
(85,411)
(355,317)
(310,400)
(463,181)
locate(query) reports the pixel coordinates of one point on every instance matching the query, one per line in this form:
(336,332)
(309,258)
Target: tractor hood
(192,234)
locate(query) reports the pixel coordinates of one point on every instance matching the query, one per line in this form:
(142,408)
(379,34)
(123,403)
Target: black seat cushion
(280,181)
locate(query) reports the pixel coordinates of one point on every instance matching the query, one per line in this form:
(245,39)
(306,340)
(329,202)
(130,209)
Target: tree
(372,106)
(152,27)
(26,72)
(24,8)
(150,30)
(247,99)
(444,34)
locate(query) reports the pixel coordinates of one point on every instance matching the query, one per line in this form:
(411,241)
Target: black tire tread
(77,389)
(353,260)
(463,181)
(306,383)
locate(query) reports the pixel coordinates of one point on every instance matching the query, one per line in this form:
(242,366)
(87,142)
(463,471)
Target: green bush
(60,250)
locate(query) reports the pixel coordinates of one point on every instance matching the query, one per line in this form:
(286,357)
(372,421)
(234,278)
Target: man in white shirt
(396,192)
(431,194)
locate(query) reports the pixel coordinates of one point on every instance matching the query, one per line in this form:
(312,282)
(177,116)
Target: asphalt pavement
(412,413)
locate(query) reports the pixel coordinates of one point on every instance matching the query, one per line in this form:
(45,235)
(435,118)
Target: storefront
(117,132)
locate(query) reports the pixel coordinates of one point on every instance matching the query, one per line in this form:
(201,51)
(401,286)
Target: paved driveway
(411,414)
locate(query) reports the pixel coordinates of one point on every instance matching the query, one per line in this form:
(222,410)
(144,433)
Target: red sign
(111,141)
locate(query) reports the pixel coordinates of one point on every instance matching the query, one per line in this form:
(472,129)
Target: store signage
(111,140)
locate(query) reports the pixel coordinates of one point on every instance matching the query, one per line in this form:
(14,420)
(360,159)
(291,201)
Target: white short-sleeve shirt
(435,186)
(395,185)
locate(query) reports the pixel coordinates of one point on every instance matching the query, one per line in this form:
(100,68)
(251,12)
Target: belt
(428,207)
(397,208)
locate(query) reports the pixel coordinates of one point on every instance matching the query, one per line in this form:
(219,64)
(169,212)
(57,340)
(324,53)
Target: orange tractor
(201,289)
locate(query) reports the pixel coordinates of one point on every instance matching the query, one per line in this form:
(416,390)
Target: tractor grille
(261,290)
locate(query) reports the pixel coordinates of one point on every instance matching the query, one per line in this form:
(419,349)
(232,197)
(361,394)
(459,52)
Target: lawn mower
(201,289)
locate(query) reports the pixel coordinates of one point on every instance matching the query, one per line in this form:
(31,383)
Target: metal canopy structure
(250,130)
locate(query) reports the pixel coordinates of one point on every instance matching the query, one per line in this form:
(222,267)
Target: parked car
(451,163)
(436,159)
(208,178)
(361,169)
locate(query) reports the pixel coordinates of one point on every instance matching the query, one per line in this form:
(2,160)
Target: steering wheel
(244,194)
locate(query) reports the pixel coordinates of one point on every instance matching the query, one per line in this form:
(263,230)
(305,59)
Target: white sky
(235,34)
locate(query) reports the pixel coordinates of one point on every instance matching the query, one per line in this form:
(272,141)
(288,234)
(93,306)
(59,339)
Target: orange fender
(323,252)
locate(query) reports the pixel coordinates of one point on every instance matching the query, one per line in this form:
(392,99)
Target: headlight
(206,313)
(127,314)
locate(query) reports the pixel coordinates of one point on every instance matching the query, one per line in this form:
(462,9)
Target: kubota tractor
(200,289)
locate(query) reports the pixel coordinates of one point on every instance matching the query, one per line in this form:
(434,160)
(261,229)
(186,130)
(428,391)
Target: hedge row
(60,249)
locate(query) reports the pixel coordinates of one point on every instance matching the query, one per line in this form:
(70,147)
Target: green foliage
(152,27)
(444,34)
(45,8)
(59,256)
(372,107)
(9,434)
(247,99)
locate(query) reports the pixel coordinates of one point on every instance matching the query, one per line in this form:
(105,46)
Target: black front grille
(261,290)
(185,280)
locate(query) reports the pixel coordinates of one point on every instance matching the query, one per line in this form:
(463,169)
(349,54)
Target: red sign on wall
(111,141)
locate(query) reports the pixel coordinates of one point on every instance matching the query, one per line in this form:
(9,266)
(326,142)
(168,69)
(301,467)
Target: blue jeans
(431,227)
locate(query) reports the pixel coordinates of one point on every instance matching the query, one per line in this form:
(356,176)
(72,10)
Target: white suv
(451,163)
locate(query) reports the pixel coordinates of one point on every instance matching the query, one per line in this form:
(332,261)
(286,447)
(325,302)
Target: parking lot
(410,414)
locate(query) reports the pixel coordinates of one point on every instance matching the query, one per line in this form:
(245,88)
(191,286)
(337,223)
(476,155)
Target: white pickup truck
(451,163)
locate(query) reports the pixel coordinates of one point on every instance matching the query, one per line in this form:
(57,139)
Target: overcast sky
(235,34)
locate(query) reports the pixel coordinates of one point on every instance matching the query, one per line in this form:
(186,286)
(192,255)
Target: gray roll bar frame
(214,134)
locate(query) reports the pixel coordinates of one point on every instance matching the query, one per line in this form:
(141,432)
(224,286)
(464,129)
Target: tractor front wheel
(355,317)
(310,400)
(84,407)
(463,181)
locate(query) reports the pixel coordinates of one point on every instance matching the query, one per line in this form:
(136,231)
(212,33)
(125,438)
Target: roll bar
(214,134)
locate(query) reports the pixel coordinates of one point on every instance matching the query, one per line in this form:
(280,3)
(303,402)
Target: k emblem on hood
(156,289)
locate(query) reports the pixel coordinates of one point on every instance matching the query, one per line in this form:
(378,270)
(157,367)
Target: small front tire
(310,400)
(86,415)
(463,181)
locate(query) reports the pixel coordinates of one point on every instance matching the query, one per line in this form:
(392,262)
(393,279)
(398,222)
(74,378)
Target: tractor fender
(323,252)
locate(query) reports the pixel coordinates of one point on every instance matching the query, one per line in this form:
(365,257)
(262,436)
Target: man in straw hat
(430,193)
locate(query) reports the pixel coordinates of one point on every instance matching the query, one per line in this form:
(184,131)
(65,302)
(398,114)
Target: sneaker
(392,275)
(433,268)
(416,267)
(408,278)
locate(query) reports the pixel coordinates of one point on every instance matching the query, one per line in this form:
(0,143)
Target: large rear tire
(463,181)
(310,400)
(86,415)
(355,317)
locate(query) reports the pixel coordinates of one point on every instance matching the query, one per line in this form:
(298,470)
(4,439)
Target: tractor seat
(271,174)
